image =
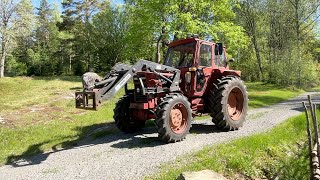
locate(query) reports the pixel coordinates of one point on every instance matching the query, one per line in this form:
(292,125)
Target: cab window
(181,55)
(205,57)
(220,58)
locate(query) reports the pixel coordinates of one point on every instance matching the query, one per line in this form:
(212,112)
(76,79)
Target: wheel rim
(235,104)
(178,118)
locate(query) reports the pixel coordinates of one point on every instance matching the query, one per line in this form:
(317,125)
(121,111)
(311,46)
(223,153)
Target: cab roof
(189,40)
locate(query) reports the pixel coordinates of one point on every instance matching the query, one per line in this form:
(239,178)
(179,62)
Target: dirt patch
(5,123)
(69,96)
(41,113)
(26,78)
(35,114)
(2,120)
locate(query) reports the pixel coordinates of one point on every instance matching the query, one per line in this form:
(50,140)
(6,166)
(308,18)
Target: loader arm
(119,77)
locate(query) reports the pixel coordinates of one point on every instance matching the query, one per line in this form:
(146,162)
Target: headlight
(187,77)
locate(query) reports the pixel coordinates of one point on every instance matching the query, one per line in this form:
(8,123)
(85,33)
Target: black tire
(123,118)
(170,103)
(222,96)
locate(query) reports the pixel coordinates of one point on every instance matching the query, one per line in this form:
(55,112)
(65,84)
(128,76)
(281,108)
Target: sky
(37,2)
(58,2)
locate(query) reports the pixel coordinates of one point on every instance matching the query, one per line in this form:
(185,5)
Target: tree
(16,20)
(47,41)
(209,19)
(109,27)
(77,25)
(281,34)
(248,15)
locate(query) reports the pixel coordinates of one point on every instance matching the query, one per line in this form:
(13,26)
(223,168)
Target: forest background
(274,41)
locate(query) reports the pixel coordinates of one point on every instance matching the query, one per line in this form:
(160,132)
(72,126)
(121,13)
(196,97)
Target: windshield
(181,55)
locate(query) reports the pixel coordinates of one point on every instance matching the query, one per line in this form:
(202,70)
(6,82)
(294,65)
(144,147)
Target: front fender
(231,73)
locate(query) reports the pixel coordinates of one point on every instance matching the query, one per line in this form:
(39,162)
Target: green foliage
(262,156)
(283,41)
(15,68)
(272,41)
(109,38)
(209,19)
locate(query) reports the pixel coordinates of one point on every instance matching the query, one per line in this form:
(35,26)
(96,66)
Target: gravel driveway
(127,156)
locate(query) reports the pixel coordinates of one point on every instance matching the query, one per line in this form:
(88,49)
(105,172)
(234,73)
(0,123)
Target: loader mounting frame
(119,77)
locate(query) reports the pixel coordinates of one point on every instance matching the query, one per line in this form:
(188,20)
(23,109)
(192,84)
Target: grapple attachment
(87,100)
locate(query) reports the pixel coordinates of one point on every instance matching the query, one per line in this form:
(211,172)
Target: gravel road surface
(127,156)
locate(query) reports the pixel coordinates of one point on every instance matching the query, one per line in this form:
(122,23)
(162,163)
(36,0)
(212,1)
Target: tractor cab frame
(200,62)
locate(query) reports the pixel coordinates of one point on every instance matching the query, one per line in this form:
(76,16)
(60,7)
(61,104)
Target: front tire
(228,103)
(123,117)
(173,117)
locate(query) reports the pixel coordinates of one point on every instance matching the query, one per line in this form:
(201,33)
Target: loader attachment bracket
(87,100)
(105,89)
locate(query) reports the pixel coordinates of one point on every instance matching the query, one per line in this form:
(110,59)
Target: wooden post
(315,124)
(309,139)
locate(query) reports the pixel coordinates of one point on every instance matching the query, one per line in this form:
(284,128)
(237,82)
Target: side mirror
(231,60)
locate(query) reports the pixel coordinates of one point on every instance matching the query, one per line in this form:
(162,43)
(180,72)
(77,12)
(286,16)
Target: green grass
(279,152)
(261,95)
(59,124)
(25,91)
(39,114)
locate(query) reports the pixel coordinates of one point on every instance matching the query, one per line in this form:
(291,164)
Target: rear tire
(173,117)
(228,103)
(123,118)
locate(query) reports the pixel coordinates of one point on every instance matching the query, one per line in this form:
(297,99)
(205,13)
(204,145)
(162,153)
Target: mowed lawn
(38,114)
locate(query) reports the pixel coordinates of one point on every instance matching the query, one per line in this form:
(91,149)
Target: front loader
(194,80)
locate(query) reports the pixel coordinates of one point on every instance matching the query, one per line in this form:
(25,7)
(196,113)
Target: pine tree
(47,41)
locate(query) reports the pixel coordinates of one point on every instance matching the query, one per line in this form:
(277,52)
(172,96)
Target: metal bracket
(87,100)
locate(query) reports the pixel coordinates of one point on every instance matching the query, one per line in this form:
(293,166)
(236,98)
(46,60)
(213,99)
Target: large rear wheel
(123,118)
(173,117)
(228,103)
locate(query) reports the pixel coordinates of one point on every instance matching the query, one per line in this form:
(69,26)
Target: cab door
(204,62)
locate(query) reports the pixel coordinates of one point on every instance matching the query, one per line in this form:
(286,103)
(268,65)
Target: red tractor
(194,80)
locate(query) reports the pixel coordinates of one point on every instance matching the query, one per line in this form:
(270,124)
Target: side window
(219,58)
(205,55)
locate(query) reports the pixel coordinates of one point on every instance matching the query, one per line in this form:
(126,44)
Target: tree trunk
(297,28)
(158,49)
(3,58)
(70,63)
(257,50)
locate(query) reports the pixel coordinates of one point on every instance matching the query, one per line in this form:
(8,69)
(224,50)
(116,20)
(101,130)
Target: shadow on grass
(98,134)
(85,136)
(76,88)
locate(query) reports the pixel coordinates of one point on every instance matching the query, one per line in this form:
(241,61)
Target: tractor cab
(194,52)
(197,60)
